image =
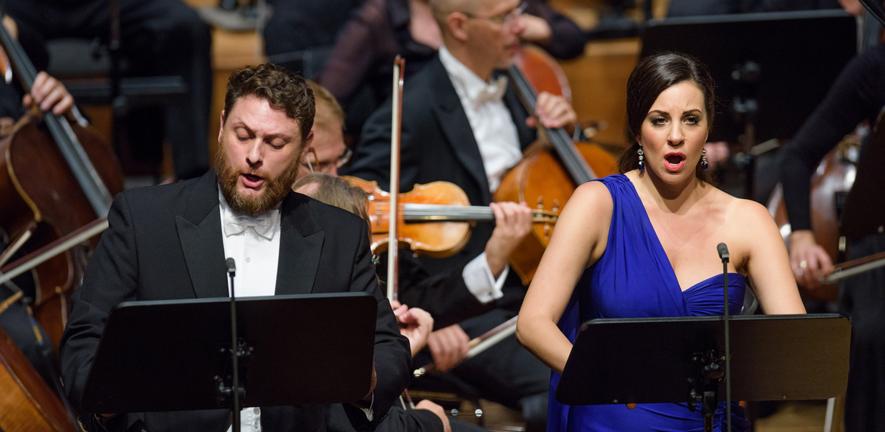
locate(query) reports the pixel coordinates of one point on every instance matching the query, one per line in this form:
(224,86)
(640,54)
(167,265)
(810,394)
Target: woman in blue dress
(643,244)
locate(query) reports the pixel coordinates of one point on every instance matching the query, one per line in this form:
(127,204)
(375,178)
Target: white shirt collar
(468,85)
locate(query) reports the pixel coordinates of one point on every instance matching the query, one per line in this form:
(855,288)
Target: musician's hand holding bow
(415,324)
(809,261)
(553,111)
(448,346)
(49,94)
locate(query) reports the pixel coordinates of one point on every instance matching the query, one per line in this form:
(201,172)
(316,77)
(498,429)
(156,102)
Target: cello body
(26,402)
(40,197)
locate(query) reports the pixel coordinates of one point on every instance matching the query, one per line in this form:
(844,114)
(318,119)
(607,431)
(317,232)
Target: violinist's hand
(448,346)
(808,259)
(852,6)
(533,29)
(553,112)
(512,223)
(49,94)
(415,324)
(438,410)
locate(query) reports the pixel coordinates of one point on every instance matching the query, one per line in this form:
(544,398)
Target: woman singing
(643,244)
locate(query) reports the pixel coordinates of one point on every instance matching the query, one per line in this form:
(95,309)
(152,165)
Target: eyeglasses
(313,164)
(506,18)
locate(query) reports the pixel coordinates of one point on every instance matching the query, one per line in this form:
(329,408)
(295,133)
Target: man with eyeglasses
(329,151)
(462,123)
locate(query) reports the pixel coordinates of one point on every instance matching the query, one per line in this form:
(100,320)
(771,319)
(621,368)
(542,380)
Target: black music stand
(174,355)
(771,69)
(647,360)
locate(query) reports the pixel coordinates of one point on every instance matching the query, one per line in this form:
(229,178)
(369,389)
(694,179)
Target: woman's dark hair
(653,75)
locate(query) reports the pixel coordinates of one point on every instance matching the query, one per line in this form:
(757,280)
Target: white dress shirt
(495,134)
(254,244)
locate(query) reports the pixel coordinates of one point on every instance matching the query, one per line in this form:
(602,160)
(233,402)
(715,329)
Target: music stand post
(775,357)
(171,355)
(233,391)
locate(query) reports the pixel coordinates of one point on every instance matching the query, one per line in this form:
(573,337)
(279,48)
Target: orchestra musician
(415,323)
(243,209)
(643,244)
(462,123)
(358,68)
(444,295)
(857,95)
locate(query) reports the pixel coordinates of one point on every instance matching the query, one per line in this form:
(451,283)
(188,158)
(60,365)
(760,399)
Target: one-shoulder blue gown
(634,279)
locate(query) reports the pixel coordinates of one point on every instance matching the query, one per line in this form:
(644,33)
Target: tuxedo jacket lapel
(456,128)
(301,244)
(199,232)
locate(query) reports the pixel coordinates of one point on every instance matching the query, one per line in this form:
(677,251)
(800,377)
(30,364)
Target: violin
(433,219)
(552,168)
(51,184)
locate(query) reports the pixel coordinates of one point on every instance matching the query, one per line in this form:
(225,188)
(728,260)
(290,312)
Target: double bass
(51,184)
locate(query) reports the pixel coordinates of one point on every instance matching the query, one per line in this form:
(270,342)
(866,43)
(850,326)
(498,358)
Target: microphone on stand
(235,379)
(722,249)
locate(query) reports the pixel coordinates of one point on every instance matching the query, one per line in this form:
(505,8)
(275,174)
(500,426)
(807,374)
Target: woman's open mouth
(674,162)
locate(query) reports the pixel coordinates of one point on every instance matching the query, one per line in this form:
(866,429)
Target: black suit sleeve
(445,295)
(110,279)
(856,95)
(392,354)
(416,420)
(567,40)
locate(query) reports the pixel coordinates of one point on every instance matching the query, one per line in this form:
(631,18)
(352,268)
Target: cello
(549,171)
(51,185)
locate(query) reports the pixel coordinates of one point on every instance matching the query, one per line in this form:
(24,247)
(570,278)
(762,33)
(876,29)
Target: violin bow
(396,119)
(853,267)
(399,67)
(479,344)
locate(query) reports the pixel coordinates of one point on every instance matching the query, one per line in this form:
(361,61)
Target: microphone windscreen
(723,251)
(231,265)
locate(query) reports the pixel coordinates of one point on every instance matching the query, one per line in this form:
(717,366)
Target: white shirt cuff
(370,411)
(480,281)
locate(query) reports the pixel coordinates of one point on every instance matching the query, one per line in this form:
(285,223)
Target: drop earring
(704,162)
(641,159)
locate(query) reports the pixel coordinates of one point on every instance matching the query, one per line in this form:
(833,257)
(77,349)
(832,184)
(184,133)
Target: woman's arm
(578,241)
(767,262)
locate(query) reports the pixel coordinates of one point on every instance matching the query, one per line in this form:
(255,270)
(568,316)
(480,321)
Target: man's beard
(275,189)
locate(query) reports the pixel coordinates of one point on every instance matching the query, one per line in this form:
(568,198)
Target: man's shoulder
(157,195)
(327,216)
(431,79)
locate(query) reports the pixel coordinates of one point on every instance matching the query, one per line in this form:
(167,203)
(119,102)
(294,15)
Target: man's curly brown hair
(282,89)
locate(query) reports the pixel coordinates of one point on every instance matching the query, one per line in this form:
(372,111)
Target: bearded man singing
(170,242)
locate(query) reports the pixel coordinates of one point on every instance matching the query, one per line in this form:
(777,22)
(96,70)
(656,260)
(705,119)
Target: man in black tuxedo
(170,242)
(463,124)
